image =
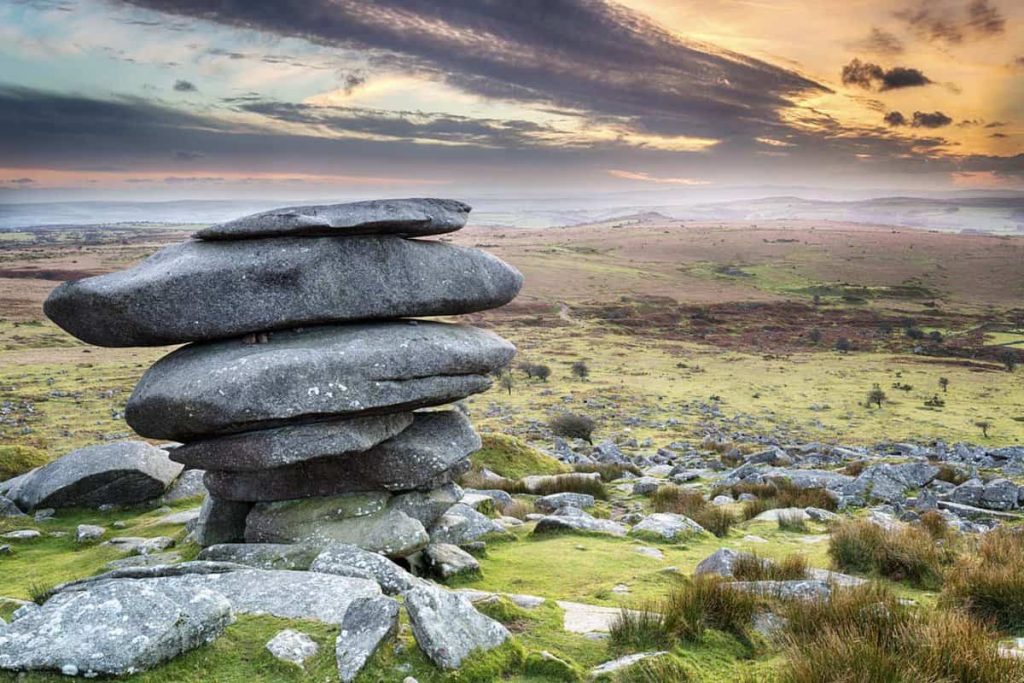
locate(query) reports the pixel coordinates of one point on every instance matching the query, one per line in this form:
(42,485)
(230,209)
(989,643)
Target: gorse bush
(15,460)
(692,504)
(988,583)
(573,426)
(750,567)
(903,554)
(866,635)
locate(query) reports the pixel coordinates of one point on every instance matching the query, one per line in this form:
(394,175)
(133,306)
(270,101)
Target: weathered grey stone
(189,518)
(432,451)
(198,291)
(502,499)
(292,646)
(560,500)
(821,515)
(576,520)
(21,534)
(279,593)
(427,506)
(263,555)
(446,561)
(189,484)
(360,519)
(229,386)
(344,559)
(88,532)
(667,526)
(719,562)
(367,624)
(117,473)
(8,508)
(619,666)
(403,217)
(221,521)
(462,524)
(151,560)
(999,494)
(137,545)
(645,486)
(269,448)
(116,628)
(805,589)
(448,628)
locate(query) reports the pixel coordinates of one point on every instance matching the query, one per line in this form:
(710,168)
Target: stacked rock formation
(300,387)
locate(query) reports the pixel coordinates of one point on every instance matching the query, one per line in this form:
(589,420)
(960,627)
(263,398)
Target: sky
(174,99)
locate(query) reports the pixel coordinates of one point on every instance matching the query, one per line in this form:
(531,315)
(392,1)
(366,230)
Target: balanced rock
(224,387)
(269,448)
(199,291)
(403,217)
(432,452)
(120,473)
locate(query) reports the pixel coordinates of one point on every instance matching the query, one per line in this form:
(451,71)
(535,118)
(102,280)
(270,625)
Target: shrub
(639,629)
(951,474)
(989,583)
(715,519)
(517,508)
(609,471)
(750,567)
(904,554)
(867,632)
(573,426)
(580,370)
(876,396)
(563,483)
(935,524)
(15,460)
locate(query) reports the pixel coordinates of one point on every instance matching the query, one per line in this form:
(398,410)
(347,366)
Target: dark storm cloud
(580,54)
(895,118)
(868,76)
(184,86)
(920,119)
(935,119)
(953,22)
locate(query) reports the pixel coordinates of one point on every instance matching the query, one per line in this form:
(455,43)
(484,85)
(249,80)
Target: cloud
(895,118)
(934,119)
(21,181)
(589,56)
(953,22)
(184,86)
(648,178)
(919,119)
(998,135)
(187,155)
(881,42)
(868,75)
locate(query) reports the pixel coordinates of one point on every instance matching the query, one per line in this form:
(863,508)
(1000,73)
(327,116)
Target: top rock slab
(402,217)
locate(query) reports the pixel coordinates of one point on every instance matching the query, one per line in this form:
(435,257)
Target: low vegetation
(609,471)
(573,426)
(988,581)
(511,457)
(751,567)
(15,460)
(692,504)
(868,633)
(901,554)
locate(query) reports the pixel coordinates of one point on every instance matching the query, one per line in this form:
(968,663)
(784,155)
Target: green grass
(510,457)
(15,460)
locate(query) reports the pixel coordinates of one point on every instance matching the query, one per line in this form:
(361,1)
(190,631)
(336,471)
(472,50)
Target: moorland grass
(902,554)
(510,457)
(867,634)
(988,581)
(609,471)
(16,459)
(692,504)
(751,567)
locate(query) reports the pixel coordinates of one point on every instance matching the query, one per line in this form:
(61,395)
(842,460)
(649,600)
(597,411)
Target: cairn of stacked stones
(303,380)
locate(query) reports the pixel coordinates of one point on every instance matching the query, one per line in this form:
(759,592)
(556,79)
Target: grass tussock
(935,524)
(511,457)
(750,567)
(16,459)
(609,471)
(655,670)
(559,483)
(865,634)
(692,504)
(780,495)
(792,521)
(904,554)
(518,509)
(704,602)
(988,583)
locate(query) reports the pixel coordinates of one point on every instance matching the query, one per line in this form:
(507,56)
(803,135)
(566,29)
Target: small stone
(21,534)
(85,533)
(447,561)
(292,646)
(44,514)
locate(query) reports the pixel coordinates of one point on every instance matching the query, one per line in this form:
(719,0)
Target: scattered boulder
(719,563)
(114,628)
(368,622)
(446,561)
(86,533)
(447,627)
(576,520)
(120,473)
(667,526)
(559,500)
(805,589)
